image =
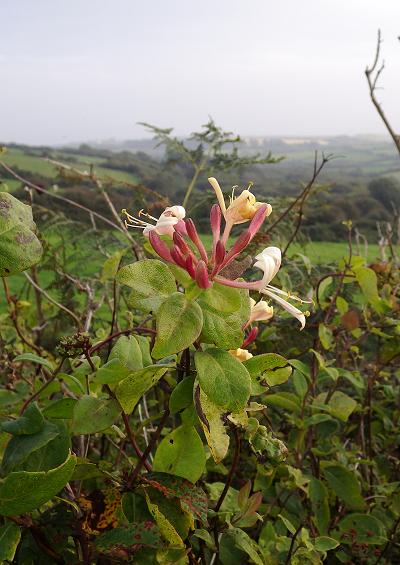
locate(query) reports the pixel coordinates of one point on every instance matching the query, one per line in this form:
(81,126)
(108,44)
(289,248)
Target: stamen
(146,215)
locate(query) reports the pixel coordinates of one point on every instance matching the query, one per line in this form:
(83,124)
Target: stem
(147,451)
(232,470)
(63,199)
(52,300)
(46,384)
(197,171)
(132,439)
(292,545)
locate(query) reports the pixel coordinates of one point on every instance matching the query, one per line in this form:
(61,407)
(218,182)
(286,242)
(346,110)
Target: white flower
(269,261)
(164,225)
(260,311)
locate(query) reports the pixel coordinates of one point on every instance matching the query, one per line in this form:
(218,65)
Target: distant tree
(386,190)
(211,149)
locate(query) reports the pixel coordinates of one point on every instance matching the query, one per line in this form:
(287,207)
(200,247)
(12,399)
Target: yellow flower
(241,208)
(240,354)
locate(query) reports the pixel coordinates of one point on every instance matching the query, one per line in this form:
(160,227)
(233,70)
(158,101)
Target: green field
(38,165)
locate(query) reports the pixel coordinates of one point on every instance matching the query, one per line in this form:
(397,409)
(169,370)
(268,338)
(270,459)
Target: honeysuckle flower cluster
(188,252)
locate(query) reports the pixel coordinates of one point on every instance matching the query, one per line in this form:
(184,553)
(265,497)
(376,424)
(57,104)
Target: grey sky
(75,70)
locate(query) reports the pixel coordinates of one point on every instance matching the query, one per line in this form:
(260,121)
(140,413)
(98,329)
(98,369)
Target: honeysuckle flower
(260,311)
(241,208)
(203,269)
(269,261)
(166,224)
(240,354)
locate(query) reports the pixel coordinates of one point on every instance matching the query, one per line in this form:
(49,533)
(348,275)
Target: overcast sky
(74,70)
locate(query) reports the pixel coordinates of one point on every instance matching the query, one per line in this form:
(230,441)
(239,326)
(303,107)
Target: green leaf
(368,282)
(52,454)
(221,329)
(152,282)
(285,400)
(345,484)
(179,322)
(300,384)
(144,345)
(318,495)
(134,507)
(92,415)
(211,418)
(19,246)
(128,352)
(10,536)
(224,329)
(110,266)
(20,447)
(112,372)
(182,395)
(181,453)
(325,336)
(62,408)
(291,528)
(192,498)
(263,442)
(269,369)
(301,367)
(145,534)
(361,528)
(224,379)
(324,543)
(24,491)
(244,542)
(32,358)
(31,422)
(167,530)
(130,390)
(86,470)
(222,298)
(340,405)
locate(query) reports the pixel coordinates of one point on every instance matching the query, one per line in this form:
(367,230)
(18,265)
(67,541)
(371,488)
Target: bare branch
(373,73)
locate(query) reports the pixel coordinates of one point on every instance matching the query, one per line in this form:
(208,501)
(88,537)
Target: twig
(62,198)
(52,300)
(148,449)
(14,319)
(289,555)
(373,73)
(138,329)
(42,388)
(304,192)
(232,470)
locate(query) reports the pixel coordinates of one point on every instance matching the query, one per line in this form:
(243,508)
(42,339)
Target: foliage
(144,421)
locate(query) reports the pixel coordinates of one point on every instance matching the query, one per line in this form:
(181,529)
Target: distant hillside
(360,183)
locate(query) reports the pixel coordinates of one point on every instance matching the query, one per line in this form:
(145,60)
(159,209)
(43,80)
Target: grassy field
(36,164)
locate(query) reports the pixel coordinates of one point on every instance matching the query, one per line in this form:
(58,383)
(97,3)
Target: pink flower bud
(159,246)
(215,221)
(251,336)
(181,243)
(201,275)
(180,227)
(219,253)
(194,236)
(190,266)
(178,257)
(258,219)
